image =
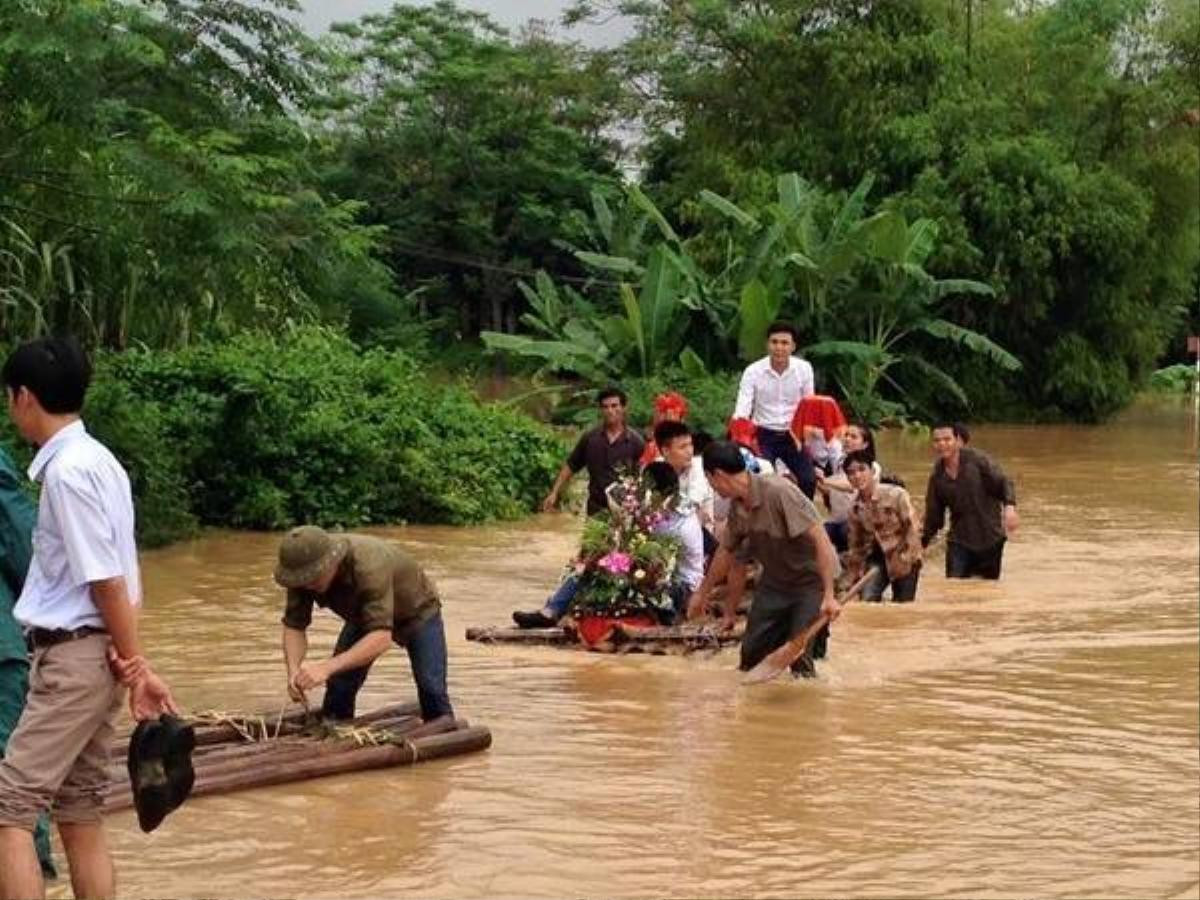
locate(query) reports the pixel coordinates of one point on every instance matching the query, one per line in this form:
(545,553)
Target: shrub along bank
(266,432)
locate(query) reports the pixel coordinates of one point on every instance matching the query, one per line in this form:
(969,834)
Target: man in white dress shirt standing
(768,395)
(79,610)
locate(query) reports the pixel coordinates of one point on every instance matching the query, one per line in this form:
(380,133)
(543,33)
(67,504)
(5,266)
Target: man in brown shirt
(382,595)
(982,503)
(602,450)
(882,532)
(772,521)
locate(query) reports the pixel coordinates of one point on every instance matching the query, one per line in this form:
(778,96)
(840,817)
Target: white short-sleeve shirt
(84,532)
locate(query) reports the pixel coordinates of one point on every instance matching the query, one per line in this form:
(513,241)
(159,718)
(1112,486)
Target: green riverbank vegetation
(281,245)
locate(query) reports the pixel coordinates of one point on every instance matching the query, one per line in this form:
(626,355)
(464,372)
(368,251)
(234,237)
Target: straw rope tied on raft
(238,752)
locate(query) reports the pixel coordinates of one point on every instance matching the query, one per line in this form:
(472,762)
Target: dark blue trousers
(773,445)
(427,656)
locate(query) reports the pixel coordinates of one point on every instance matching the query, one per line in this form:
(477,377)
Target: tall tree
(472,147)
(1060,160)
(154,176)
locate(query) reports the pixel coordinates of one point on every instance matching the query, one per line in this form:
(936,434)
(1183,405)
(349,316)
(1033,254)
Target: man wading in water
(382,595)
(772,521)
(982,503)
(602,450)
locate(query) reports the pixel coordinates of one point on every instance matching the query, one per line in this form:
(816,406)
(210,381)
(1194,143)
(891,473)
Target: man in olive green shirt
(770,520)
(382,595)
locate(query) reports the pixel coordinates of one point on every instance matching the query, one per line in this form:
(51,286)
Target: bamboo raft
(235,753)
(657,641)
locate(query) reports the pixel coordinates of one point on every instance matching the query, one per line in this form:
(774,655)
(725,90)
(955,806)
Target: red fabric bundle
(818,412)
(666,405)
(593,630)
(670,402)
(744,432)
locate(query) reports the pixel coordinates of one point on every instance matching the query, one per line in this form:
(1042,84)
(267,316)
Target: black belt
(37,638)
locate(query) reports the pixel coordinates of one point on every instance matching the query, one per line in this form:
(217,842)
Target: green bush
(1176,379)
(1089,387)
(134,429)
(263,432)
(710,398)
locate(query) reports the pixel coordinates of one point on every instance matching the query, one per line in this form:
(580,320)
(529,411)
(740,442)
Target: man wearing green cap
(16,550)
(382,596)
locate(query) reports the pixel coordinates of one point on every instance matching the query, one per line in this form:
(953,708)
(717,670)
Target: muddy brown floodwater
(1034,737)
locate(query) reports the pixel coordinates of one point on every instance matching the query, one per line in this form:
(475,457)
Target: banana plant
(562,338)
(617,237)
(658,292)
(569,336)
(790,265)
(883,329)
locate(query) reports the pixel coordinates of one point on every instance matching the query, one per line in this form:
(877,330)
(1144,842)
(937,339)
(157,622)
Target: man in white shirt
(768,395)
(674,442)
(79,609)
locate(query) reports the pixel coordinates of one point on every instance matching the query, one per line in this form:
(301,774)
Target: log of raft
(493,634)
(659,640)
(693,637)
(357,759)
(386,737)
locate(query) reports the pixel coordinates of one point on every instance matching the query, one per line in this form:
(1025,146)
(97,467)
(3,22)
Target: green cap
(306,553)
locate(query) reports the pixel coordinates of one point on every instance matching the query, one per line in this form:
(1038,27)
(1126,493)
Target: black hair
(958,429)
(612,391)
(723,456)
(868,437)
(780,327)
(661,477)
(700,440)
(862,457)
(54,369)
(665,432)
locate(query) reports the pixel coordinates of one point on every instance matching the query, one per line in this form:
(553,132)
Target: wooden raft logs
(490,634)
(210,756)
(390,738)
(658,640)
(219,728)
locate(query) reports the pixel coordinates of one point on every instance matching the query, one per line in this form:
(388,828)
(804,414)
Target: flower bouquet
(625,562)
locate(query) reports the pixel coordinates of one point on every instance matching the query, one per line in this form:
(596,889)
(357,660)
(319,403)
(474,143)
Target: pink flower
(616,562)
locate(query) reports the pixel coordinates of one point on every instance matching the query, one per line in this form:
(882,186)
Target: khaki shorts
(57,758)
